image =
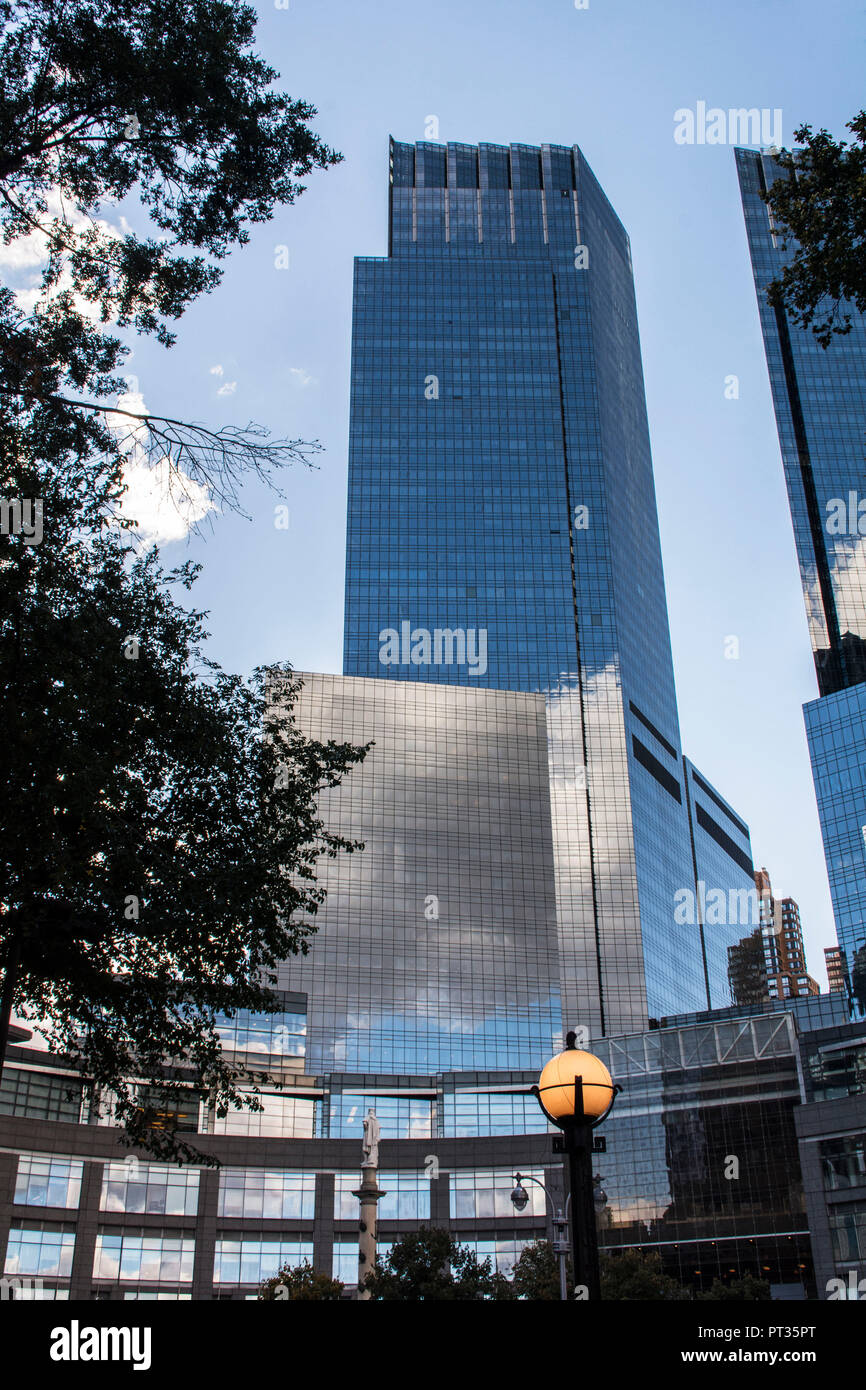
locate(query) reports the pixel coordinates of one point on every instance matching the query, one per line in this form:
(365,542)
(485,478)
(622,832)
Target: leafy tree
(301,1283)
(635,1275)
(161,835)
(429,1264)
(536,1274)
(820,212)
(160,838)
(745,1290)
(163,107)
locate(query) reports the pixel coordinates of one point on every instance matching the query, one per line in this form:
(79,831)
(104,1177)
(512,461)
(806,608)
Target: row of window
(266,1194)
(169,1259)
(44,1095)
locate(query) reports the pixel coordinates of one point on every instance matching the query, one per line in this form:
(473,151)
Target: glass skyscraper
(503,533)
(819,397)
(436,947)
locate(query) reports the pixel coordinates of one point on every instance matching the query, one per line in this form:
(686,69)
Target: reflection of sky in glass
(407,1197)
(274,1035)
(39,1252)
(487,1192)
(270,1194)
(400,1117)
(436,947)
(281,1117)
(252,1261)
(149,1187)
(157,1259)
(470,1113)
(836,731)
(48,1182)
(345,1259)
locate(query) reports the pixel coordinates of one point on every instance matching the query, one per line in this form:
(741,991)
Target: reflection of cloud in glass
(848,560)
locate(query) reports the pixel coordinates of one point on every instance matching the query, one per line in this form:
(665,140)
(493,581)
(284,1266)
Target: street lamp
(576,1093)
(520,1196)
(520,1199)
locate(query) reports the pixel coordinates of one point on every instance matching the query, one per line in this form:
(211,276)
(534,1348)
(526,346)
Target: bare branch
(216,459)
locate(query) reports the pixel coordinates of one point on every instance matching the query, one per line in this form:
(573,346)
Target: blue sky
(608,78)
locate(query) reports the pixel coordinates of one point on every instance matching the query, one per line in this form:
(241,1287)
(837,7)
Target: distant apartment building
(784,952)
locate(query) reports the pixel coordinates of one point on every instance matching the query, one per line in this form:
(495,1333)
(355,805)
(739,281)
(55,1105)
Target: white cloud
(217,370)
(301,376)
(28,252)
(24,252)
(133,432)
(27,299)
(164,504)
(849,581)
(228,388)
(162,500)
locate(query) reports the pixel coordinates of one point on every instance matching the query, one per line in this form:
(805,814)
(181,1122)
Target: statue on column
(370,1146)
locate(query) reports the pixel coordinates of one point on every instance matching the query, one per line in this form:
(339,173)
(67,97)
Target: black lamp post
(520,1201)
(576,1093)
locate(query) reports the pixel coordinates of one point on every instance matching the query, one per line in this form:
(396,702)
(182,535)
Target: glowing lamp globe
(556,1086)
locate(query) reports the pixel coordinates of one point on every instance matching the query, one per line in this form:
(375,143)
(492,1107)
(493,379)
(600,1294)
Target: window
(469,1113)
(267,1193)
(840,1073)
(844,1161)
(848,1232)
(40,1095)
(149,1187)
(25,1289)
(253,1261)
(400,1117)
(487,1192)
(407,1197)
(157,1258)
(40,1250)
(282,1117)
(156,1295)
(48,1182)
(175,1112)
(503,1254)
(345,1262)
(178,1112)
(267,1035)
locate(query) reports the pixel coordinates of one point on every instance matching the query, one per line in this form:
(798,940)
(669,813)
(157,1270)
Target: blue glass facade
(503,531)
(819,396)
(726,900)
(836,729)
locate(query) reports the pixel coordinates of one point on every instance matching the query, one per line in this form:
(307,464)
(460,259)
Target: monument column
(368,1195)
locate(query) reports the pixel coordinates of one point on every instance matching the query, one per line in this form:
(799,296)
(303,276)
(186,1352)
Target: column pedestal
(368,1195)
